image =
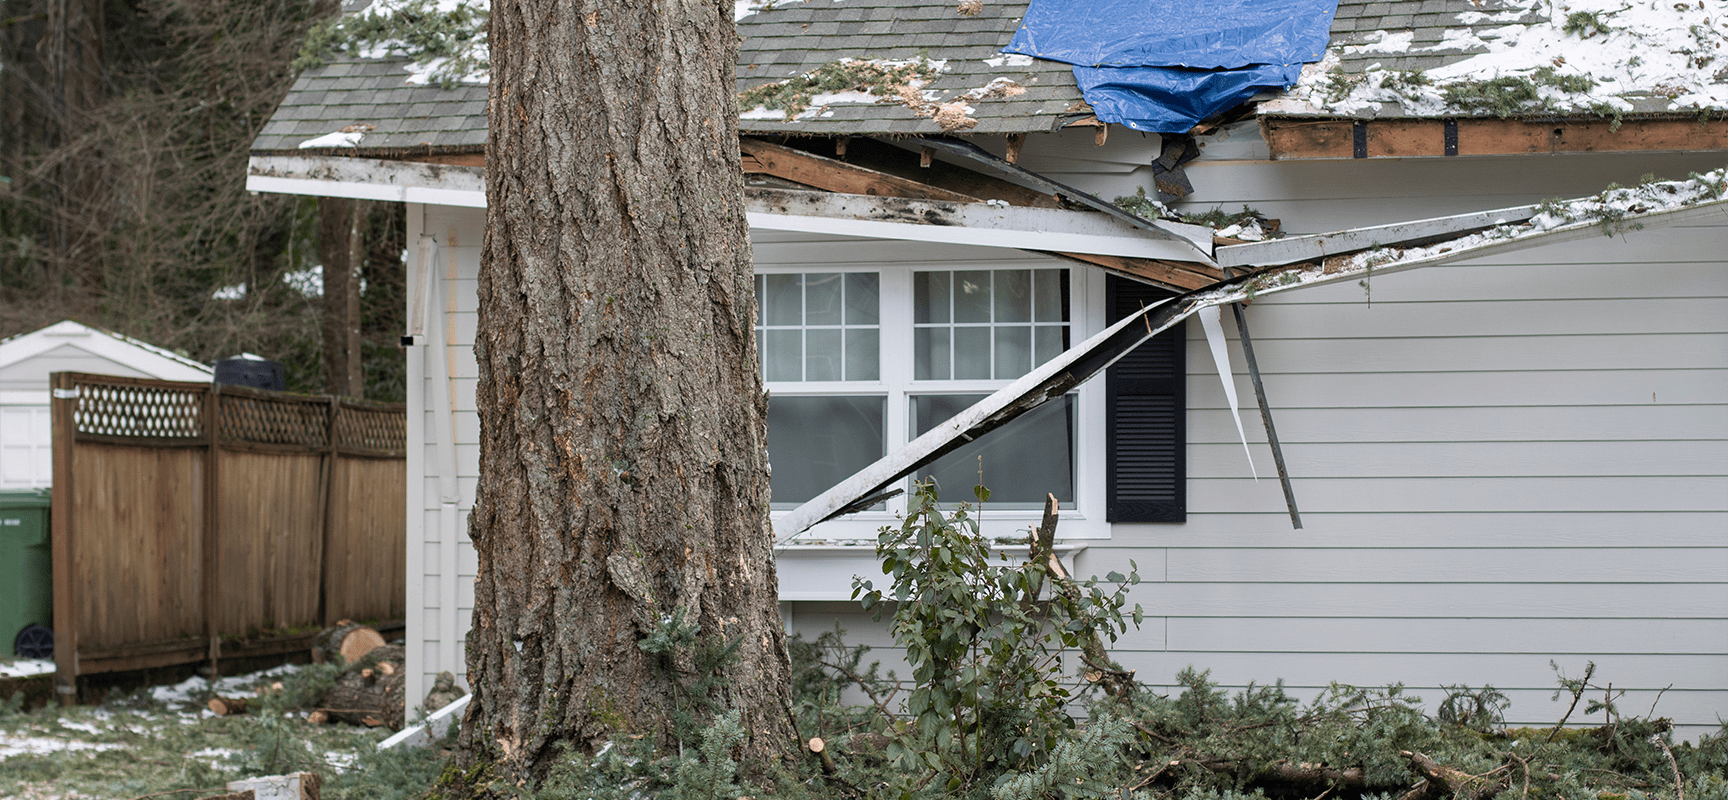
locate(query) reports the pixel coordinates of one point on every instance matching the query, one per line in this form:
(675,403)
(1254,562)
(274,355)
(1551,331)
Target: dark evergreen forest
(124,130)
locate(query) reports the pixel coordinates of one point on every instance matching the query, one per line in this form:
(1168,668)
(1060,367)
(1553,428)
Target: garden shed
(26,361)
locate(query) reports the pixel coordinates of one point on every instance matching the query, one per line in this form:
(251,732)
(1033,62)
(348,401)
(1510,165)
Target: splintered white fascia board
(1006,403)
(1275,252)
(1274,281)
(368,179)
(983,224)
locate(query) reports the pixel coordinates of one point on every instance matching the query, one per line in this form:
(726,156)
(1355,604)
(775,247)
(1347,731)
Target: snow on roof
(1525,57)
(415,69)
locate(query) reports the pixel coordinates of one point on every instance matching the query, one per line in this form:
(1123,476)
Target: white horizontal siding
(1500,463)
(441,559)
(1476,530)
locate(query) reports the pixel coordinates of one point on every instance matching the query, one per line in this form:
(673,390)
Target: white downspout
(429,327)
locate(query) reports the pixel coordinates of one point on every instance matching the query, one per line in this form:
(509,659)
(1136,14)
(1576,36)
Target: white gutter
(368,179)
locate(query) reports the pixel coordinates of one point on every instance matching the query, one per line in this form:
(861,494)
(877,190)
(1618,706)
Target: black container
(254,372)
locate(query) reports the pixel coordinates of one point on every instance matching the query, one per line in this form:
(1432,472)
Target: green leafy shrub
(988,692)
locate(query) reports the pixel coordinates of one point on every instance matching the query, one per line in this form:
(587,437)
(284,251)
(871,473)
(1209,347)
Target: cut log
(366,696)
(318,717)
(347,640)
(820,748)
(223,706)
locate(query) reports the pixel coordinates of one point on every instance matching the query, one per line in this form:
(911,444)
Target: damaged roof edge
(1080,363)
(981,224)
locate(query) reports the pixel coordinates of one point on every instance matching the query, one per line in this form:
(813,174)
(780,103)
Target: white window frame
(896,383)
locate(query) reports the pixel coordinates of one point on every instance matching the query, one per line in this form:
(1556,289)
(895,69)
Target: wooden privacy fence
(197,521)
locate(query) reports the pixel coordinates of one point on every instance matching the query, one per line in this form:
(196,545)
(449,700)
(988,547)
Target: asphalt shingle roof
(795,37)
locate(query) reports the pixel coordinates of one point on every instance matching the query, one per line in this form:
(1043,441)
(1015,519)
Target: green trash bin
(26,574)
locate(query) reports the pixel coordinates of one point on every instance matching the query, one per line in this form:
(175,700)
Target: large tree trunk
(623,466)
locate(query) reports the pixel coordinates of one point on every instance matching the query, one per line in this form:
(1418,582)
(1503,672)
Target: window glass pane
(1021,461)
(822,298)
(862,298)
(1050,295)
(1013,295)
(972,296)
(971,354)
(1048,342)
(822,354)
(782,304)
(1013,351)
(816,442)
(930,296)
(863,355)
(783,355)
(930,356)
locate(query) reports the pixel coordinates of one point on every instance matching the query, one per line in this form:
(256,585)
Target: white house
(1514,455)
(26,361)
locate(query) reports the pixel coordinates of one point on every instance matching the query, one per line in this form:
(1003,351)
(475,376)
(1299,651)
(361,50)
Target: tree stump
(223,706)
(371,692)
(348,640)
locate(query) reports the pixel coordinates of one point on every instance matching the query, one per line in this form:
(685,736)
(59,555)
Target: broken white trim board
(430,730)
(1615,211)
(1221,357)
(298,786)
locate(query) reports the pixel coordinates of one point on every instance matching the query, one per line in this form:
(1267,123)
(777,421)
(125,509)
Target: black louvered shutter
(1147,418)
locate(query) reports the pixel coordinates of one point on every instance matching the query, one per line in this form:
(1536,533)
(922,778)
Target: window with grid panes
(844,391)
(994,325)
(820,330)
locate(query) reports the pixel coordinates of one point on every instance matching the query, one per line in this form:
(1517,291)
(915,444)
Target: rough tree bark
(340,242)
(624,479)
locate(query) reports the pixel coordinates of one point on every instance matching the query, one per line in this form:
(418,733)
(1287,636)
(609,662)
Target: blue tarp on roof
(1164,65)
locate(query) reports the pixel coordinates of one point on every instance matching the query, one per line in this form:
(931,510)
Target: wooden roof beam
(833,175)
(1292,138)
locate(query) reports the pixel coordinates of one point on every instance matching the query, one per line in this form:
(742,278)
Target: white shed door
(26,447)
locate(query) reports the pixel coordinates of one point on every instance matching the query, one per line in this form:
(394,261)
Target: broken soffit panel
(982,224)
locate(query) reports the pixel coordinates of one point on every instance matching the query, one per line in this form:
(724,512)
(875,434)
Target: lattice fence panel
(142,411)
(262,421)
(376,430)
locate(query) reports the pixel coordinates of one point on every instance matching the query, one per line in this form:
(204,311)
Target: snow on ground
(17,744)
(1625,50)
(192,690)
(26,667)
